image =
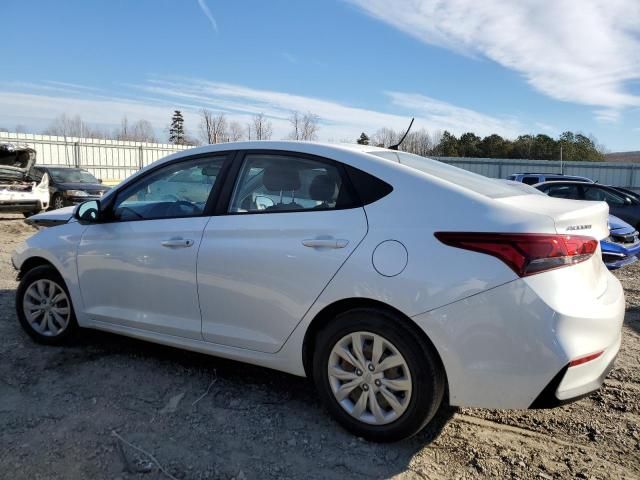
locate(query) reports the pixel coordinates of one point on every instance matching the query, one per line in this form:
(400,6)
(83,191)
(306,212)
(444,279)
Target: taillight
(525,253)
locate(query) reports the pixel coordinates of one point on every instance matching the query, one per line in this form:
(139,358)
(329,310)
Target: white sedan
(395,281)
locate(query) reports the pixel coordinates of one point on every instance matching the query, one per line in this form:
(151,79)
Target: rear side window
(368,188)
(269,183)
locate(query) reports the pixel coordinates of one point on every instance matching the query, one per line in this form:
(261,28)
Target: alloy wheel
(58,203)
(369,378)
(46,307)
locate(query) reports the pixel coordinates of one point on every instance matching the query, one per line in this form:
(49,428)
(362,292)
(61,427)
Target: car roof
(571,182)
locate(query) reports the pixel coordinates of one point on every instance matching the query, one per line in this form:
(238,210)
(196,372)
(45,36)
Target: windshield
(71,175)
(489,187)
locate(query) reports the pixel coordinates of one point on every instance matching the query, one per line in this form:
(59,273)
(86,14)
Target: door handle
(177,243)
(325,242)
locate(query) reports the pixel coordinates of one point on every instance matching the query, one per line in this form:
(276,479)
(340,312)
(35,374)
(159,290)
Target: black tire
(425,367)
(45,272)
(56,202)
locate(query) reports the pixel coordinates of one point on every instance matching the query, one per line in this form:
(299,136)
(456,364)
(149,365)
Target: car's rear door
(289,224)
(138,270)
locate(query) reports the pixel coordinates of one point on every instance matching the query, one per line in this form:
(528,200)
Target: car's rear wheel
(44,306)
(376,376)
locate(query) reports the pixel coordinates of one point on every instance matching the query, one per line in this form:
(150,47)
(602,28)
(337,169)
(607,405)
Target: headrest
(322,188)
(278,177)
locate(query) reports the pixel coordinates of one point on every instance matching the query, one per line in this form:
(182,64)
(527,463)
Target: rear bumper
(22,206)
(510,347)
(573,383)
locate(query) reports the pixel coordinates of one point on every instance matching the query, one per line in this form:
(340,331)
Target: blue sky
(462,65)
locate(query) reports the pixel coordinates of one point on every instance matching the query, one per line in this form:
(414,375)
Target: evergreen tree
(176,131)
(364,139)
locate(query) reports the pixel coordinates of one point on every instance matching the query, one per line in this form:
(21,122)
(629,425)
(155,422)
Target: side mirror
(99,180)
(88,212)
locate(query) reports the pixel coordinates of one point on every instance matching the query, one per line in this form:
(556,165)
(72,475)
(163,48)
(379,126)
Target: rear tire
(400,376)
(44,307)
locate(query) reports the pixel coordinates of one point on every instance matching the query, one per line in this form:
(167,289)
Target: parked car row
(622,247)
(30,189)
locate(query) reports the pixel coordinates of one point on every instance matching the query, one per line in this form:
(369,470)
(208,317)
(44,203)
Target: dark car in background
(622,205)
(533,178)
(69,185)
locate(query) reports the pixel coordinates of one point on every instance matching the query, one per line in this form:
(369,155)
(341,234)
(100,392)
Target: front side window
(177,190)
(282,183)
(601,195)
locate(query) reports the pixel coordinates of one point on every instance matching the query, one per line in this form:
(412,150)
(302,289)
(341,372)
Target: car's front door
(138,269)
(291,223)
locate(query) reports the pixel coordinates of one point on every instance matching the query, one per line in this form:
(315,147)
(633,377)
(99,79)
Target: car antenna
(395,147)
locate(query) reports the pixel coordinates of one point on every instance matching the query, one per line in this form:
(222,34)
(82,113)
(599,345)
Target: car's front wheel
(57,202)
(376,376)
(44,306)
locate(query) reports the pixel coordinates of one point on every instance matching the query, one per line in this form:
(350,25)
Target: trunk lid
(571,217)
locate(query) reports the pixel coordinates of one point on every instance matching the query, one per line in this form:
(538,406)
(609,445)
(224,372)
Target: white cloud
(155,100)
(580,51)
(205,9)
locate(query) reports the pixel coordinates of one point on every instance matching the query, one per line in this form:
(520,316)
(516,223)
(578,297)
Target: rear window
(489,187)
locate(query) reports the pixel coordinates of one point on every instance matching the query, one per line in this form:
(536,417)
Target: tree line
(572,146)
(217,127)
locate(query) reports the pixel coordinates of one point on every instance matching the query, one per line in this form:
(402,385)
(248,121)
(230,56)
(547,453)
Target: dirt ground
(91,409)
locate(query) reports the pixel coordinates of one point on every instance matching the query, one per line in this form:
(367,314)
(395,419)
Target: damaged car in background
(18,193)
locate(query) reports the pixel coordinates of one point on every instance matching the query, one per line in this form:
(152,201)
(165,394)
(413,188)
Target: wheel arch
(33,262)
(330,311)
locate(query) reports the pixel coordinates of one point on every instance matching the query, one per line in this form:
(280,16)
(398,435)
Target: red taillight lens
(585,359)
(525,253)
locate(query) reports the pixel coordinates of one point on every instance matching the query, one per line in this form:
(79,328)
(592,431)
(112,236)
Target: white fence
(110,160)
(608,173)
(114,160)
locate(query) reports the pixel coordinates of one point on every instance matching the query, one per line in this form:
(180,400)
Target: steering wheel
(129,209)
(186,203)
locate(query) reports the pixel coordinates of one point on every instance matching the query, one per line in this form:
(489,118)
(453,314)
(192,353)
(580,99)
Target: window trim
(224,201)
(210,204)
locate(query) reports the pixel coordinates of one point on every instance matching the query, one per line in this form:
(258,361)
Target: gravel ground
(92,410)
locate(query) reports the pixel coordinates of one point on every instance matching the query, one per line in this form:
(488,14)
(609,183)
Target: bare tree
(213,128)
(310,126)
(296,126)
(385,137)
(262,128)
(303,127)
(20,129)
(418,142)
(236,132)
(66,126)
(140,131)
